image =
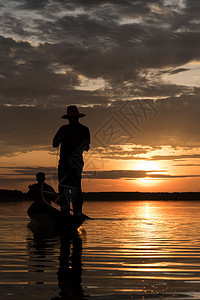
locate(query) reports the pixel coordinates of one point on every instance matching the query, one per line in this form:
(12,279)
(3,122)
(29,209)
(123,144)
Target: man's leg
(70,174)
(77,200)
(63,191)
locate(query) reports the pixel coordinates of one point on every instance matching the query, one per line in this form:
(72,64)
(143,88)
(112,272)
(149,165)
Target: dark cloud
(29,170)
(175,157)
(117,152)
(179,70)
(92,39)
(131,174)
(172,121)
(31,76)
(176,123)
(13,25)
(24,173)
(32,5)
(47,47)
(115,174)
(26,74)
(17,175)
(25,129)
(9,180)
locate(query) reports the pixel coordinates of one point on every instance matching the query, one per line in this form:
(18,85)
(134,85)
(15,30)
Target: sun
(146,181)
(146,165)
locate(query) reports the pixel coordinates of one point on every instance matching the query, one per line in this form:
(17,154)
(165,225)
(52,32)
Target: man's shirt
(74,139)
(41,194)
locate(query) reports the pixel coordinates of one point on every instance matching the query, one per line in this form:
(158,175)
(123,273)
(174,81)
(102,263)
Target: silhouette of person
(74,139)
(70,268)
(41,245)
(42,194)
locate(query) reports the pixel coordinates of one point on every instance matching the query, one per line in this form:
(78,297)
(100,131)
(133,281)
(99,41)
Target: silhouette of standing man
(74,139)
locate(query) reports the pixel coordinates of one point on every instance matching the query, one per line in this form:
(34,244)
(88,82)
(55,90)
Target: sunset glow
(147,166)
(147,182)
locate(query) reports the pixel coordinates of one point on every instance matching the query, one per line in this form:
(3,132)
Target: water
(130,250)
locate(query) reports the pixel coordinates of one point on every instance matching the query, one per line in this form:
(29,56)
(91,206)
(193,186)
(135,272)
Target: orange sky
(43,161)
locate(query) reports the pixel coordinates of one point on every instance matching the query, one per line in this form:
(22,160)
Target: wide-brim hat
(72,111)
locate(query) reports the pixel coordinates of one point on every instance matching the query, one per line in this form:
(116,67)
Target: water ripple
(146,250)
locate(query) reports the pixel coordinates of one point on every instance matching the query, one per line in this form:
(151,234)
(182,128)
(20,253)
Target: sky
(133,67)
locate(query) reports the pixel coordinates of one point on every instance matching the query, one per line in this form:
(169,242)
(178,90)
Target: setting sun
(147,181)
(144,165)
(147,166)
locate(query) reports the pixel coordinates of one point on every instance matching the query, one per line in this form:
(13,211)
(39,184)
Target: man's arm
(50,193)
(31,191)
(87,144)
(57,138)
(28,194)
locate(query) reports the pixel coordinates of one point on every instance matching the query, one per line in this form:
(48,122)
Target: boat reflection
(44,248)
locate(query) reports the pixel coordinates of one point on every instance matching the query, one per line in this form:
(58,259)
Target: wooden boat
(52,219)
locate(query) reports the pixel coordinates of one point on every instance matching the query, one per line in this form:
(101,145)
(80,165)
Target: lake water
(130,250)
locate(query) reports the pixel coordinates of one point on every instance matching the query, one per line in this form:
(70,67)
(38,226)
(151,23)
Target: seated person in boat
(42,194)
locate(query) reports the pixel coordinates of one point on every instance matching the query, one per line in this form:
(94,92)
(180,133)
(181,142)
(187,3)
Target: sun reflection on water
(138,248)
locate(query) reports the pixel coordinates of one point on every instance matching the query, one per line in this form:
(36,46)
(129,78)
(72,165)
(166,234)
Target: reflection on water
(40,245)
(143,250)
(70,268)
(69,273)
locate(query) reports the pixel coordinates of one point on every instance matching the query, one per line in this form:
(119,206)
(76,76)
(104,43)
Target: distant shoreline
(14,195)
(139,196)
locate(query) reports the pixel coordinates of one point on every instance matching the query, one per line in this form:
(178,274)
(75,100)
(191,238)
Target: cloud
(148,124)
(22,174)
(13,25)
(175,125)
(93,39)
(131,174)
(175,157)
(171,121)
(179,70)
(33,5)
(24,171)
(47,48)
(117,152)
(10,180)
(115,174)
(17,175)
